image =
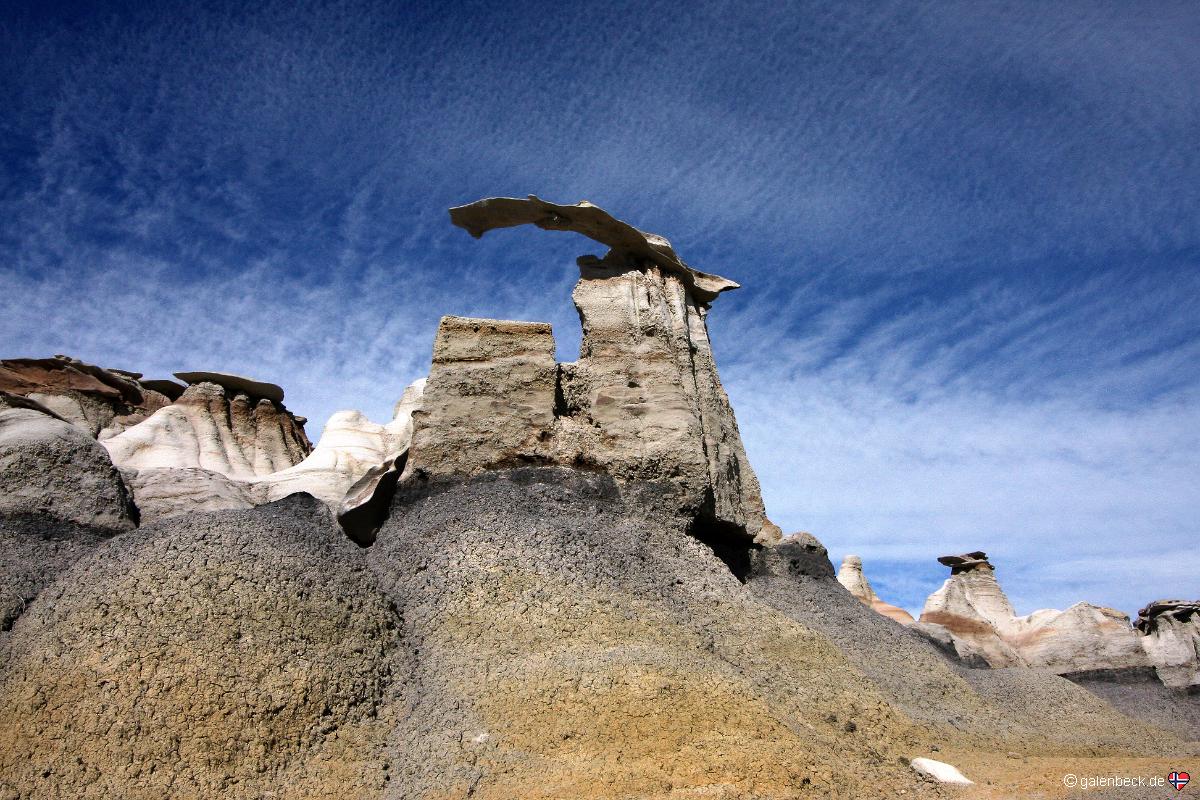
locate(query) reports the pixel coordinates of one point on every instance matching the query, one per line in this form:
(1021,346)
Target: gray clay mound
(49,466)
(232,654)
(574,644)
(34,548)
(1139,693)
(1017,709)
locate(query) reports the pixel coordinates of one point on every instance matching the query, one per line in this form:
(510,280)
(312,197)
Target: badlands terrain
(537,580)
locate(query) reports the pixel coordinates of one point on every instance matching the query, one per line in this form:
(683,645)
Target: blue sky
(967,234)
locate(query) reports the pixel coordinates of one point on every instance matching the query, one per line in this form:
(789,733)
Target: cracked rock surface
(232,654)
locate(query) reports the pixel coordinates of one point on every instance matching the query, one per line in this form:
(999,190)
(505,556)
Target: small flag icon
(1178,780)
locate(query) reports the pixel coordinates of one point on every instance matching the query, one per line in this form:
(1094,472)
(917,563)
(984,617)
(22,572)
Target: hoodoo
(851,576)
(643,402)
(971,614)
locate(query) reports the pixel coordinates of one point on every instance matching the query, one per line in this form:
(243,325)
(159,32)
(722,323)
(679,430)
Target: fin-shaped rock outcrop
(850,575)
(101,401)
(350,446)
(214,428)
(643,402)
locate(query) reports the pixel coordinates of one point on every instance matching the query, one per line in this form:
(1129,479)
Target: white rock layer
(974,612)
(212,429)
(349,446)
(172,491)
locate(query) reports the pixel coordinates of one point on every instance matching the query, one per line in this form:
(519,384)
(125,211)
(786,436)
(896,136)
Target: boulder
(850,575)
(168,388)
(52,467)
(940,772)
(215,429)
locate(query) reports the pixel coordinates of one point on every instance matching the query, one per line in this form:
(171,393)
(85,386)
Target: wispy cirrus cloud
(989,422)
(967,234)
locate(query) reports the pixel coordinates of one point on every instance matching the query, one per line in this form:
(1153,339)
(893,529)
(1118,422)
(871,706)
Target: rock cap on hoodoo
(966,562)
(1147,619)
(626,242)
(235,383)
(165,386)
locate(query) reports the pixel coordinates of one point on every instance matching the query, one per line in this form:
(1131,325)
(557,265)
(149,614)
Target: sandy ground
(998,776)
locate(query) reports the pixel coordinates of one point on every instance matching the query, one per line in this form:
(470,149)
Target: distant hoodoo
(972,616)
(851,576)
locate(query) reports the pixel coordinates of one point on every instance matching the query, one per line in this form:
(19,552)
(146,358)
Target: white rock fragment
(940,771)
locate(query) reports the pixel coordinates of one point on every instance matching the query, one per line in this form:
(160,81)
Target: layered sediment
(642,403)
(214,428)
(101,401)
